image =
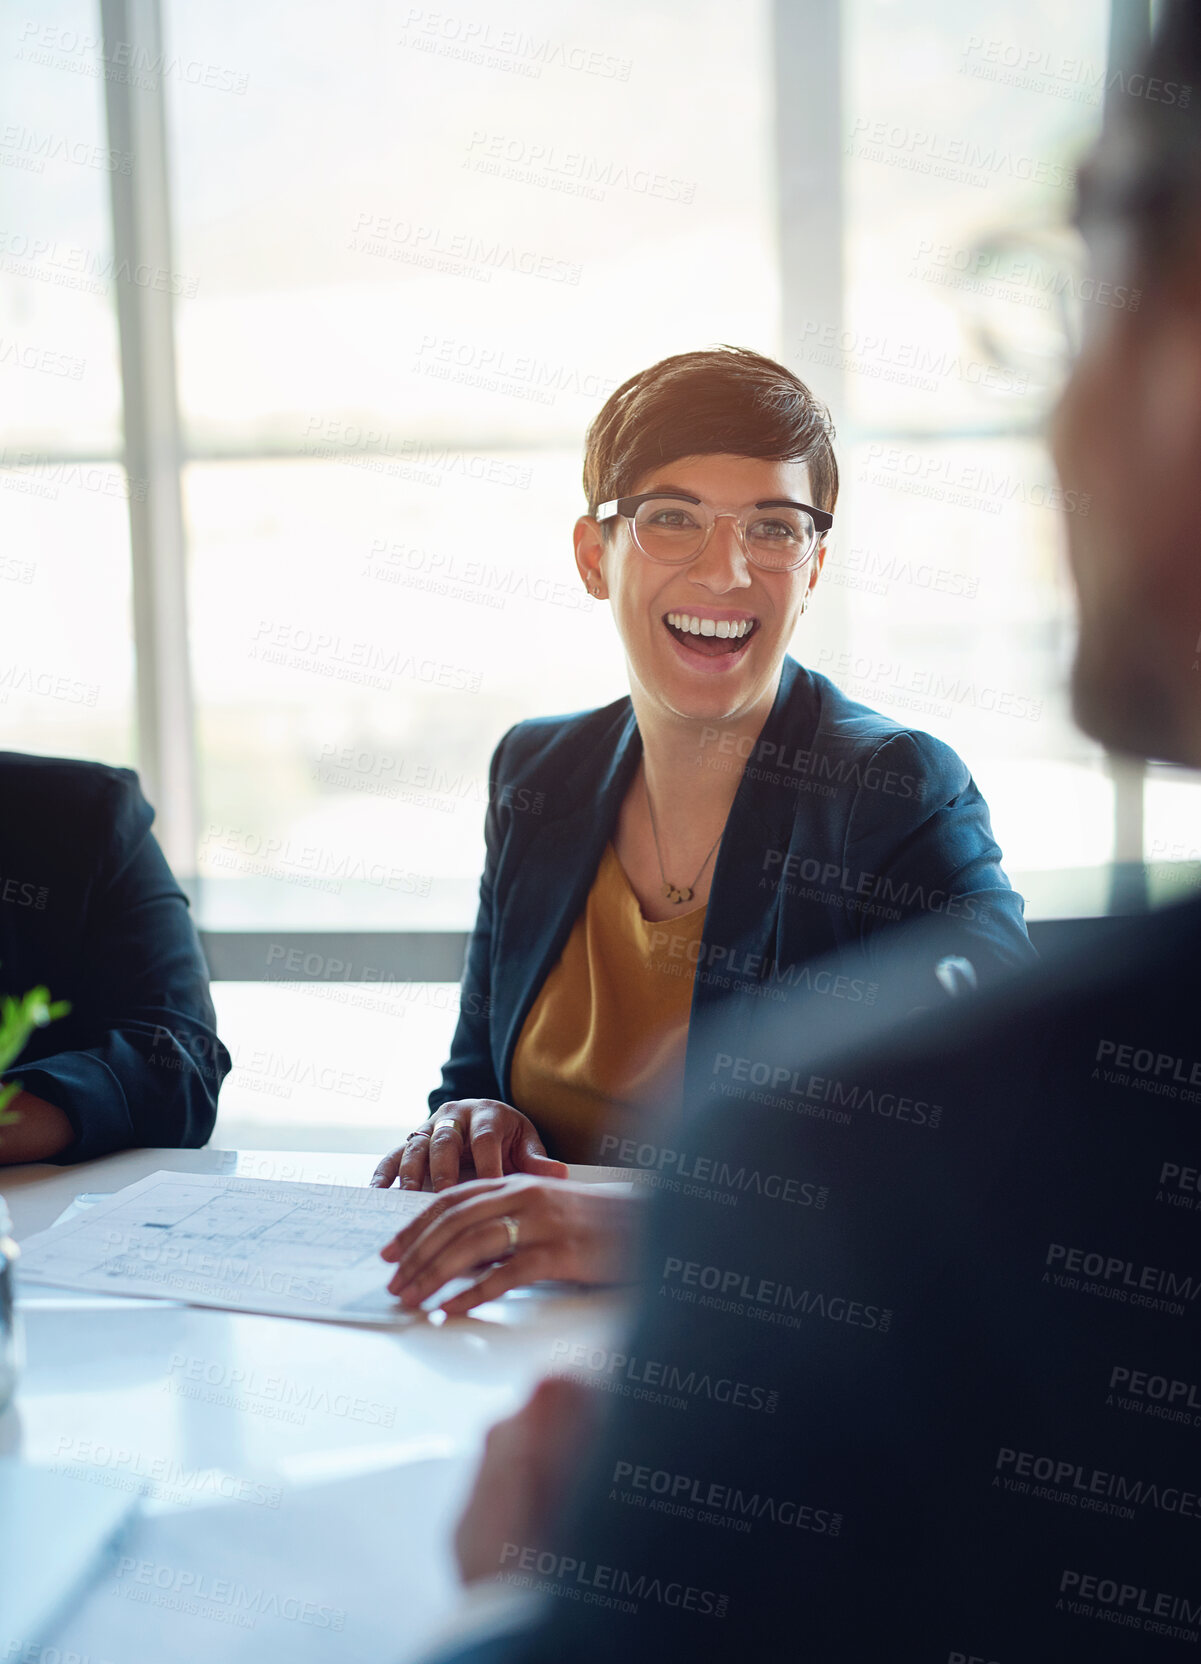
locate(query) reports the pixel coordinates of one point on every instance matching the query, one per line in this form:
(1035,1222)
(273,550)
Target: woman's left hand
(566,1231)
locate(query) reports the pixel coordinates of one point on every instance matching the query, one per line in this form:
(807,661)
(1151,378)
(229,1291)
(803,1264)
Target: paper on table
(261,1245)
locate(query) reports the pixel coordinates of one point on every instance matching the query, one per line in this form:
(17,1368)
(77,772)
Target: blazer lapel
(546,891)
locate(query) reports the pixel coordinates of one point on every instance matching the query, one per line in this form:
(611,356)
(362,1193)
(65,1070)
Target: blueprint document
(257,1245)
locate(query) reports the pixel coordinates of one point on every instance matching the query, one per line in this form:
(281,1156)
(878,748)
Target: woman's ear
(589,552)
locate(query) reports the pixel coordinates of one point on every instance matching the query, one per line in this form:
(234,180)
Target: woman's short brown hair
(725,400)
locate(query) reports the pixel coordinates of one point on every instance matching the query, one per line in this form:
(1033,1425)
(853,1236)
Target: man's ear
(589,552)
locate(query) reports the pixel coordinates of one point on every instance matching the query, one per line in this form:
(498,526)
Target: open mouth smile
(697,637)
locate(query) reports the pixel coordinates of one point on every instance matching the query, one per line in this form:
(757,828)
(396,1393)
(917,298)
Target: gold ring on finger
(510,1225)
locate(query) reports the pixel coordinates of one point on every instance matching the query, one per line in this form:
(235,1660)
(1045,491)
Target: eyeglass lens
(671,530)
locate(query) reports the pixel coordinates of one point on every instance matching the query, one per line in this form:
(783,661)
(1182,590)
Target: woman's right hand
(468,1138)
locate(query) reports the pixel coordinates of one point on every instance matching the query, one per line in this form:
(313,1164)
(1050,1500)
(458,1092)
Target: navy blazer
(89,908)
(844,824)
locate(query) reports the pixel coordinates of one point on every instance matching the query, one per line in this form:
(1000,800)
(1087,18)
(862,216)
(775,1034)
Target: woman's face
(705,678)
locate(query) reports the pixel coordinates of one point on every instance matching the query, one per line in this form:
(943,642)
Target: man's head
(1127,434)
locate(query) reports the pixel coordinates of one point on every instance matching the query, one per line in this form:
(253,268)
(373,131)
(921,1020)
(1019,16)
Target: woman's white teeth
(721,627)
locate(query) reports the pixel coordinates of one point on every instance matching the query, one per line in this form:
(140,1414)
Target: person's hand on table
(468,1138)
(538,1228)
(528,1460)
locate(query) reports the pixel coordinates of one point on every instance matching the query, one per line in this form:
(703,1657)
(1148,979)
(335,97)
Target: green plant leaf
(18,1019)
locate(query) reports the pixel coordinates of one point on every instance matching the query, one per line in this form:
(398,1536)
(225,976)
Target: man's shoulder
(1129,982)
(67,804)
(64,777)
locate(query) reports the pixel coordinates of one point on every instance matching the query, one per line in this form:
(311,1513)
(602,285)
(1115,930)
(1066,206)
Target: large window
(411,251)
(425,247)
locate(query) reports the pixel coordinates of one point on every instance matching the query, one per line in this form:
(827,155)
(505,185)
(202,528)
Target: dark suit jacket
(844,824)
(89,908)
(875,1429)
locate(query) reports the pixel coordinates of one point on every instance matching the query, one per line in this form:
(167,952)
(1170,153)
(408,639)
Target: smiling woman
(733,821)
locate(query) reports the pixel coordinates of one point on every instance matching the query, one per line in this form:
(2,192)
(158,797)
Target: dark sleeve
(151,1064)
(468,1072)
(920,846)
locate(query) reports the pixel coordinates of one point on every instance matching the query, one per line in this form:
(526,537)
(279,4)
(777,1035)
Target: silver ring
(449,1121)
(510,1226)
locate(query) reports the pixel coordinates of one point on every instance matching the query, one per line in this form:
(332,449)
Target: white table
(221,1408)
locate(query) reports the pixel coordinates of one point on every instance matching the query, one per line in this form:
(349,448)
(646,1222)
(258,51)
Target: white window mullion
(132,31)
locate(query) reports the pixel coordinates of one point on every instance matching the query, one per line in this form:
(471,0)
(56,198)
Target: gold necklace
(675,893)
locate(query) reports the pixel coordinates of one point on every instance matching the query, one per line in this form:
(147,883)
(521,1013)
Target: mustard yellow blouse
(602,1049)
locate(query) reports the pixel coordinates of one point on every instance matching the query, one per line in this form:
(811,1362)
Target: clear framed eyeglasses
(672,527)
